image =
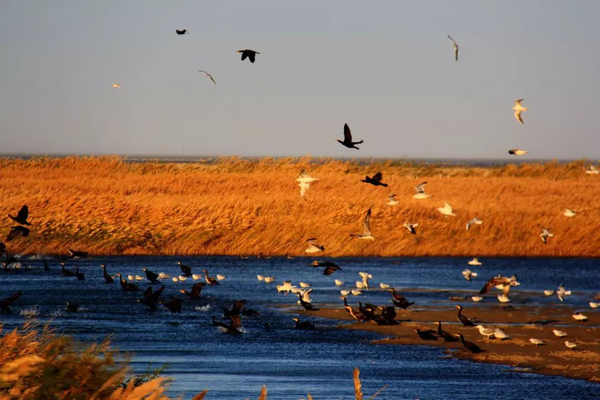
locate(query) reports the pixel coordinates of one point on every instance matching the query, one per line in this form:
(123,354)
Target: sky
(386,68)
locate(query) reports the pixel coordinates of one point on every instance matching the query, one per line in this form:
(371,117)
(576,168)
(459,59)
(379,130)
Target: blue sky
(386,68)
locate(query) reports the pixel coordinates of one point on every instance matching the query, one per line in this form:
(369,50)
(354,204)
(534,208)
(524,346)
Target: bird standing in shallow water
(347,142)
(250,54)
(151,276)
(107,277)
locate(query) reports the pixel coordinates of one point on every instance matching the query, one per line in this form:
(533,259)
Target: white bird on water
(221,277)
(474,221)
(548,292)
(569,213)
(518,110)
(476,299)
(392,200)
(545,235)
(475,261)
(260,278)
(344,292)
(338,282)
(594,305)
(384,285)
(304,285)
(446,210)
(355,292)
(420,188)
(269,279)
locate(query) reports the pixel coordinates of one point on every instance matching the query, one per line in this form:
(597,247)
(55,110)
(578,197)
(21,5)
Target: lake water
(290,362)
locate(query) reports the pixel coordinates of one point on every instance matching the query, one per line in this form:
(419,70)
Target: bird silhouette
(250,54)
(348,139)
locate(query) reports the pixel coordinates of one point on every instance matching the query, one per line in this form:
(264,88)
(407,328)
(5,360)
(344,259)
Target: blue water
(293,363)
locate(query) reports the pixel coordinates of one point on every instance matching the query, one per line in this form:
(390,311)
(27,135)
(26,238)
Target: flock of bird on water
(381,315)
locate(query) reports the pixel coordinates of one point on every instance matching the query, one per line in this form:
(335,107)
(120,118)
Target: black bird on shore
(17,231)
(174,305)
(21,217)
(399,300)
(466,321)
(428,334)
(80,276)
(66,272)
(387,317)
(304,325)
(152,277)
(196,290)
(72,307)
(187,271)
(181,32)
(107,277)
(6,303)
(472,347)
(368,310)
(359,317)
(126,286)
(348,139)
(250,54)
(77,254)
(375,180)
(46,266)
(448,337)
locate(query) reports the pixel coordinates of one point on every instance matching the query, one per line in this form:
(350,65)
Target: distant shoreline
(234,206)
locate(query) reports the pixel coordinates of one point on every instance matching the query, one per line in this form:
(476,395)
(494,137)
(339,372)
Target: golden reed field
(233,206)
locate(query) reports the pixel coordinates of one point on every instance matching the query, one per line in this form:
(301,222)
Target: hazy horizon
(386,70)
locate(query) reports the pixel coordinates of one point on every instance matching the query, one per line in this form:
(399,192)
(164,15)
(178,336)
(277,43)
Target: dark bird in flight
(187,271)
(466,321)
(77,254)
(16,231)
(107,277)
(429,334)
(236,322)
(448,337)
(399,300)
(304,325)
(472,347)
(348,139)
(80,276)
(66,272)
(250,54)
(6,303)
(152,276)
(174,305)
(375,180)
(196,290)
(21,217)
(151,297)
(236,309)
(182,32)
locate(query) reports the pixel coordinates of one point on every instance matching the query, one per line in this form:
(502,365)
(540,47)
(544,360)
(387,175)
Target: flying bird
(592,170)
(474,261)
(15,231)
(569,213)
(366,228)
(7,302)
(392,200)
(500,282)
(182,32)
(313,246)
(455,47)
(250,54)
(474,221)
(518,110)
(209,76)
(21,217)
(348,139)
(411,227)
(518,152)
(420,188)
(545,235)
(468,274)
(375,180)
(116,85)
(446,210)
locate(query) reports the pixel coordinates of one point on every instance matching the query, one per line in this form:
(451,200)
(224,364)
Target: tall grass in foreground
(38,365)
(234,206)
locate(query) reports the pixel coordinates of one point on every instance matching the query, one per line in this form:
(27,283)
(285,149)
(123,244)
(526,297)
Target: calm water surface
(290,362)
